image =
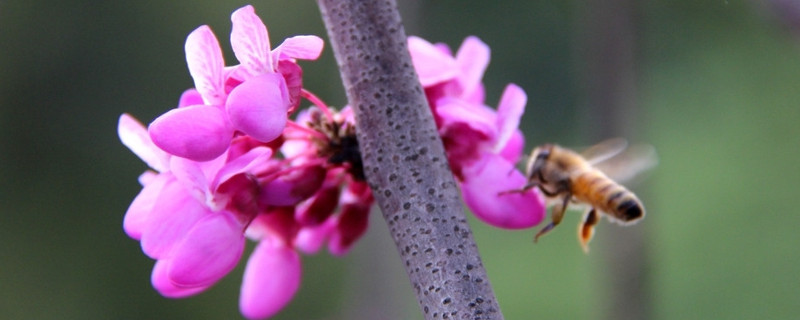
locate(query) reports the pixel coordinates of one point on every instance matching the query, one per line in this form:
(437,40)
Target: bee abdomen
(630,210)
(606,195)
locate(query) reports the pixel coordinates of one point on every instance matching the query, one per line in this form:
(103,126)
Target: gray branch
(405,163)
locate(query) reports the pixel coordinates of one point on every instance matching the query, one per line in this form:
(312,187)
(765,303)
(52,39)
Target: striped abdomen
(593,187)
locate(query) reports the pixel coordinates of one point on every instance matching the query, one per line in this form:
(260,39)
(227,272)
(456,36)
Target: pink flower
(215,181)
(271,278)
(482,144)
(192,217)
(252,98)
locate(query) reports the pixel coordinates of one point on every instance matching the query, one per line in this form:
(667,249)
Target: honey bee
(567,176)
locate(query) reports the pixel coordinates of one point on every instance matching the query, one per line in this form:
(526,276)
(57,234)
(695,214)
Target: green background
(717,92)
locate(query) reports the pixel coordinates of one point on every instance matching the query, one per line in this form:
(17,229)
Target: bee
(570,177)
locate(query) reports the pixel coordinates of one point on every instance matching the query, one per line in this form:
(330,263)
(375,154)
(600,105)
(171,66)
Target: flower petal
(192,177)
(300,47)
(199,132)
(258,106)
(174,214)
(293,76)
(136,217)
(320,206)
(293,187)
(485,180)
(204,58)
(134,136)
(254,161)
(161,282)
(311,238)
(271,279)
(472,59)
(509,113)
(351,225)
(514,147)
(250,42)
(209,251)
(433,66)
(356,202)
(190,97)
(477,117)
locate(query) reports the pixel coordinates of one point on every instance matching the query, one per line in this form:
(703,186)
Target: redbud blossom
(482,144)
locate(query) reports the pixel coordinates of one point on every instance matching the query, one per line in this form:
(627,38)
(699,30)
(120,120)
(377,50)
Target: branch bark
(404,161)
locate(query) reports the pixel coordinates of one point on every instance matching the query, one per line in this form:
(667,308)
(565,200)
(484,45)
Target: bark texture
(405,163)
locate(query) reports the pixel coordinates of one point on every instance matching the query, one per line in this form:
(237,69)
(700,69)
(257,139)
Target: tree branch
(404,160)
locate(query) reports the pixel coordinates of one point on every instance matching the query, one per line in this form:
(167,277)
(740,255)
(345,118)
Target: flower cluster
(228,164)
(482,145)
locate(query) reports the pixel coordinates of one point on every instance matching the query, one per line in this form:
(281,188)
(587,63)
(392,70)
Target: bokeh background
(714,86)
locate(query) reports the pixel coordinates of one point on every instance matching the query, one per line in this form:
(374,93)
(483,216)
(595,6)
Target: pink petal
(485,180)
(204,58)
(199,133)
(509,113)
(253,162)
(351,225)
(311,238)
(472,59)
(191,176)
(300,47)
(174,214)
(271,279)
(250,42)
(161,282)
(514,147)
(293,187)
(276,223)
(209,251)
(433,66)
(318,208)
(477,95)
(190,97)
(147,177)
(293,75)
(136,217)
(295,147)
(134,136)
(443,47)
(258,106)
(353,220)
(456,111)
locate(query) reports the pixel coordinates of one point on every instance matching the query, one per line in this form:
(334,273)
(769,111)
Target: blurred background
(713,85)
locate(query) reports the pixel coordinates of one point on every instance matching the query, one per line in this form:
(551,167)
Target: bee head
(538,158)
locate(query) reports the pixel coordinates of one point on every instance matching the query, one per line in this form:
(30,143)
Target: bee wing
(626,165)
(604,150)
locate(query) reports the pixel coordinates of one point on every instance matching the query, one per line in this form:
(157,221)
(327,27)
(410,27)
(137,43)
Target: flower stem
(317,102)
(311,132)
(404,161)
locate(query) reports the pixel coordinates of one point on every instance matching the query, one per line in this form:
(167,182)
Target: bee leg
(586,228)
(558,213)
(524,188)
